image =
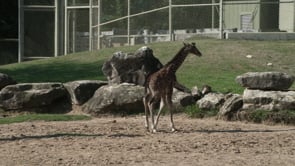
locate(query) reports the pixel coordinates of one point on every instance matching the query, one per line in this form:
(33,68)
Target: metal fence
(157,20)
(166,20)
(81,25)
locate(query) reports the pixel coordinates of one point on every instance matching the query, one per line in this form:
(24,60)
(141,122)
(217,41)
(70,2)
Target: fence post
(66,28)
(56,25)
(221,19)
(90,25)
(170,20)
(213,15)
(98,25)
(20,31)
(128,24)
(294,16)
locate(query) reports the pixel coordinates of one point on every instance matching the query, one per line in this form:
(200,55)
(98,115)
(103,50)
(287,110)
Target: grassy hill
(221,62)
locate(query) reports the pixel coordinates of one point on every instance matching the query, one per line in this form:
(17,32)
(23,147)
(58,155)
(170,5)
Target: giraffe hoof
(173,130)
(154,131)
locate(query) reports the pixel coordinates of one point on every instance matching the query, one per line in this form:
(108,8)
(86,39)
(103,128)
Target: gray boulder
(131,68)
(37,97)
(231,106)
(265,80)
(6,80)
(182,99)
(211,101)
(81,91)
(116,99)
(268,100)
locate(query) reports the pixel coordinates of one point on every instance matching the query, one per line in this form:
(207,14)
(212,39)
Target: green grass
(42,117)
(221,62)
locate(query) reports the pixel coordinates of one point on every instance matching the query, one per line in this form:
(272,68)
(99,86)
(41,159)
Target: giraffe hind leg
(146,109)
(152,104)
(162,105)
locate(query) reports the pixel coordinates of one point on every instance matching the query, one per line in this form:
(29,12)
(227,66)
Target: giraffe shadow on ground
(235,131)
(57,135)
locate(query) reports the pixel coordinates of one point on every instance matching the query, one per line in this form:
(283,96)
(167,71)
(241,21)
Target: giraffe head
(191,48)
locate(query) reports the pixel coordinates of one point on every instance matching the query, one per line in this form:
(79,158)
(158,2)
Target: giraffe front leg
(171,110)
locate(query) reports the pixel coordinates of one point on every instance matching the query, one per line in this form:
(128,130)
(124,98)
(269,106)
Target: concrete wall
(261,36)
(232,15)
(286,17)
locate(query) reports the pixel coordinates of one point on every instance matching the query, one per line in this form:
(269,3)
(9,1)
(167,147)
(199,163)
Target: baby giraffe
(159,86)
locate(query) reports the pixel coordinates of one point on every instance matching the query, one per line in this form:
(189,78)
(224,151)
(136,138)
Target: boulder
(268,100)
(6,80)
(116,99)
(266,80)
(182,99)
(131,68)
(211,101)
(231,106)
(39,97)
(81,91)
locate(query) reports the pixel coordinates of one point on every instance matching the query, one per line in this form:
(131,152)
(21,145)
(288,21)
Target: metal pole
(66,29)
(74,20)
(90,25)
(128,22)
(213,15)
(221,19)
(170,20)
(56,28)
(294,16)
(98,23)
(20,31)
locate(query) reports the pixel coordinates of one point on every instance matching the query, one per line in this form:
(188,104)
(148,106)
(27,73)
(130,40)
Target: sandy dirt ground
(124,141)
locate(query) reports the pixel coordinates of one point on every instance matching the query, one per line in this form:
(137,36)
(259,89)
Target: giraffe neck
(178,59)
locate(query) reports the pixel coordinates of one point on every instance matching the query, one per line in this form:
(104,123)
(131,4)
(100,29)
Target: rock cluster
(265,80)
(131,68)
(267,91)
(51,97)
(263,91)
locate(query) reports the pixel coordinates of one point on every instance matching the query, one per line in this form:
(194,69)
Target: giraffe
(159,87)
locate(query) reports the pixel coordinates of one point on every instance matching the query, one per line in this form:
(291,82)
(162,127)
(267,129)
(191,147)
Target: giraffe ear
(193,43)
(184,44)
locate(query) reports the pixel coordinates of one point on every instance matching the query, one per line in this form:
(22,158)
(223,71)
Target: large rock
(266,80)
(6,80)
(211,101)
(182,99)
(116,99)
(231,106)
(131,68)
(40,97)
(268,100)
(81,91)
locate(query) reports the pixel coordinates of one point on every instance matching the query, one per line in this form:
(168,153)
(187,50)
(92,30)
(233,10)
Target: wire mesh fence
(139,21)
(81,25)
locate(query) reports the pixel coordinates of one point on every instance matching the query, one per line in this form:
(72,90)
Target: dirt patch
(124,141)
